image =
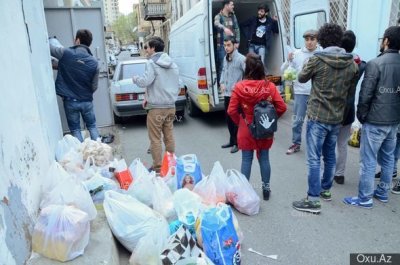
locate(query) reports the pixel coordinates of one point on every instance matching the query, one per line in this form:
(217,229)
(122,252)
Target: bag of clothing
(220,240)
(188,171)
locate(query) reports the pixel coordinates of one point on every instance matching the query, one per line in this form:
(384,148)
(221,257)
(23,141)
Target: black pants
(233,129)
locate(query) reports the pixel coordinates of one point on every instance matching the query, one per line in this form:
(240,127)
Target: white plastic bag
(61,232)
(218,176)
(55,175)
(162,199)
(71,192)
(207,191)
(187,206)
(241,194)
(130,220)
(98,185)
(149,248)
(142,186)
(66,144)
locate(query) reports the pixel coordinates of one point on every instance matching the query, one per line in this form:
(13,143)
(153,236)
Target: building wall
(111,11)
(30,122)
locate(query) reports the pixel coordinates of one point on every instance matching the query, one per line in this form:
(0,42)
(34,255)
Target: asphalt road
(297,238)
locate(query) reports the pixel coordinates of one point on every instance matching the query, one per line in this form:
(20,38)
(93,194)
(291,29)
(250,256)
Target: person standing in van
(232,72)
(334,74)
(77,80)
(161,80)
(247,93)
(227,26)
(296,60)
(259,31)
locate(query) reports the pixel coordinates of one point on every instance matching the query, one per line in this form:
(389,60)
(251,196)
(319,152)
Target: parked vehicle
(127,98)
(196,57)
(134,51)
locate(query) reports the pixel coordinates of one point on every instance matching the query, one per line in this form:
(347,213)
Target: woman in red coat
(245,96)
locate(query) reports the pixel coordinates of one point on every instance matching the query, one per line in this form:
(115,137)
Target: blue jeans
(396,152)
(258,49)
(265,167)
(321,141)
(299,115)
(73,111)
(377,141)
(220,60)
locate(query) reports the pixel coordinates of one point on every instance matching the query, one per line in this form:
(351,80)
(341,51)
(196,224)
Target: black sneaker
(396,188)
(339,179)
(326,195)
(227,145)
(234,149)
(266,194)
(378,175)
(307,206)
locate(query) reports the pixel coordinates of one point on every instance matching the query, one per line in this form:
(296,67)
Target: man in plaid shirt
(227,27)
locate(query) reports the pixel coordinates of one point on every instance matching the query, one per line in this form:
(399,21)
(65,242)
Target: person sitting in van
(259,31)
(247,93)
(232,72)
(296,60)
(226,26)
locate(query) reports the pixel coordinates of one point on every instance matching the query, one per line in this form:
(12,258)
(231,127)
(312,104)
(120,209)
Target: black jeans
(233,129)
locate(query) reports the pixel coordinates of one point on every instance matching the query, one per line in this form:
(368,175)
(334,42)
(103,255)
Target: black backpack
(265,121)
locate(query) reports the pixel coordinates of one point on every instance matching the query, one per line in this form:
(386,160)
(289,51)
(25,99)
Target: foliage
(124,27)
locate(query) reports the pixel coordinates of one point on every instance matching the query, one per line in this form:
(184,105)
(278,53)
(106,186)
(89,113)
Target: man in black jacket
(378,110)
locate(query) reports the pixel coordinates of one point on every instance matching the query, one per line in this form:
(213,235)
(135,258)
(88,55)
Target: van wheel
(192,109)
(117,119)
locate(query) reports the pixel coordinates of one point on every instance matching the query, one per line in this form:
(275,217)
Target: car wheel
(192,109)
(117,119)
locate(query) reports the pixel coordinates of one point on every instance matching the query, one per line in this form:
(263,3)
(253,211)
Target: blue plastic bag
(188,171)
(220,240)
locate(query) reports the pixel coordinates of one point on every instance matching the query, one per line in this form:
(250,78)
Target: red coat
(245,96)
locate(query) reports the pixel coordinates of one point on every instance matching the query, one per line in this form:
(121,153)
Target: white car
(134,51)
(127,98)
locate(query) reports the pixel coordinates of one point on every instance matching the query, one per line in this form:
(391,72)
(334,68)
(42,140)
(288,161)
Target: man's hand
(290,56)
(144,103)
(228,32)
(223,88)
(275,17)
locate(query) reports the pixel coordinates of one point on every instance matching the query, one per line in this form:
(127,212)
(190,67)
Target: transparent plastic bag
(241,194)
(98,185)
(162,199)
(54,175)
(61,232)
(143,186)
(218,176)
(290,74)
(66,144)
(207,191)
(130,220)
(187,206)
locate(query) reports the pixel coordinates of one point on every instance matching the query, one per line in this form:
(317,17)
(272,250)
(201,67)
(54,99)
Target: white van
(192,40)
(191,45)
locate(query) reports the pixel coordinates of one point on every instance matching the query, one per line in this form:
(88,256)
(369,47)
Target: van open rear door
(305,15)
(209,55)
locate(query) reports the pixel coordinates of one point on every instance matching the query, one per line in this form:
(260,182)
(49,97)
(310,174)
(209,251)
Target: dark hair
(262,6)
(330,34)
(393,36)
(85,36)
(254,67)
(348,41)
(231,39)
(157,43)
(226,2)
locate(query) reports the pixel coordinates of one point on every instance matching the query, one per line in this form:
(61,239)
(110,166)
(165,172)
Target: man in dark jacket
(259,31)
(333,74)
(77,80)
(378,110)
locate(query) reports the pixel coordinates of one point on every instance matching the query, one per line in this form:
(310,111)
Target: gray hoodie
(161,80)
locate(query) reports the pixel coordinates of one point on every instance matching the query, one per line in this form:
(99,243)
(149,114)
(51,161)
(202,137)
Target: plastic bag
(241,194)
(171,182)
(101,153)
(143,186)
(149,248)
(123,175)
(290,74)
(188,171)
(181,246)
(66,144)
(72,162)
(168,165)
(162,199)
(220,240)
(187,206)
(55,175)
(130,220)
(61,232)
(207,191)
(71,192)
(98,185)
(218,176)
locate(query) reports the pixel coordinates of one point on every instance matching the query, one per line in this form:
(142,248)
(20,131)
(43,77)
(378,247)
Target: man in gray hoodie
(161,80)
(232,72)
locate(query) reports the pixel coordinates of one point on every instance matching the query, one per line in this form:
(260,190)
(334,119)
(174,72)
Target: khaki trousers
(160,121)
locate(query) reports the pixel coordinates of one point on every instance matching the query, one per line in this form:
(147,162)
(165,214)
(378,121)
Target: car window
(129,70)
